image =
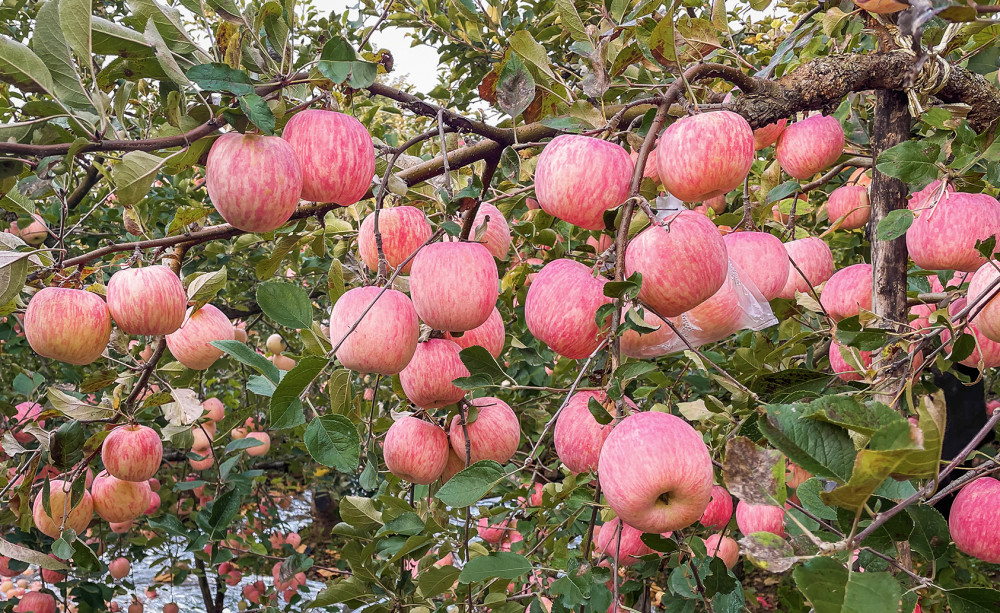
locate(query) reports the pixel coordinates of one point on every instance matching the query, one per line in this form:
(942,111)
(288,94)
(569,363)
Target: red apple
(77,517)
(944,237)
(577,436)
(760,518)
(682,260)
(988,318)
(27,412)
(494,435)
(766,136)
(154,504)
(259,450)
(171,607)
(69,325)
(427,379)
(883,7)
(135,607)
(253,181)
(453,465)
(705,155)
(844,368)
(649,345)
(119,568)
(929,196)
(672,485)
(561,306)
(391,325)
(454,286)
(621,542)
(651,170)
(848,292)
(119,501)
(335,153)
(52,576)
(214,409)
(762,258)
(190,344)
(717,204)
(986,351)
(403,228)
(120,527)
(720,315)
(492,533)
(33,234)
(578,178)
(149,301)
(496,238)
(132,453)
(974,522)
(416,450)
(850,205)
(724,548)
(809,146)
(814,258)
(719,510)
(36,602)
(490,335)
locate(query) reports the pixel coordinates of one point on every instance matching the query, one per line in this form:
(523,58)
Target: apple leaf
(471,484)
(497,565)
(333,440)
(285,303)
(754,474)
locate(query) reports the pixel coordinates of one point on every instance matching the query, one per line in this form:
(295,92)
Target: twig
(444,152)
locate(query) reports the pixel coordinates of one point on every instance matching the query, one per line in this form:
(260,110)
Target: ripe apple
(120,527)
(171,607)
(882,7)
(132,453)
(813,257)
(651,170)
(671,487)
(119,568)
(391,325)
(494,435)
(577,436)
(682,260)
(944,237)
(427,379)
(766,136)
(850,205)
(717,204)
(762,258)
(36,602)
(724,548)
(5,569)
(845,369)
(705,155)
(490,335)
(154,504)
(403,228)
(986,350)
(52,576)
(259,450)
(149,301)
(760,518)
(77,517)
(33,234)
(621,542)
(720,315)
(416,450)
(253,181)
(336,155)
(848,292)
(207,460)
(203,435)
(719,510)
(454,464)
(561,305)
(27,412)
(454,286)
(988,318)
(809,146)
(496,238)
(135,607)
(282,362)
(973,522)
(494,533)
(649,345)
(69,325)
(578,178)
(119,501)
(214,409)
(190,344)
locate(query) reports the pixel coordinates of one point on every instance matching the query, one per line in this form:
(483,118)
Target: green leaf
(498,565)
(257,111)
(206,286)
(290,388)
(849,412)
(339,63)
(245,355)
(913,162)
(333,440)
(134,175)
(226,9)
(30,556)
(600,414)
(471,484)
(49,43)
(571,20)
(527,47)
(335,287)
(483,368)
(661,42)
(831,588)
(436,580)
(339,388)
(894,225)
(20,67)
(360,512)
(821,449)
(973,600)
(768,551)
(340,591)
(782,191)
(163,54)
(515,86)
(287,416)
(225,508)
(66,445)
(218,77)
(285,303)
(110,38)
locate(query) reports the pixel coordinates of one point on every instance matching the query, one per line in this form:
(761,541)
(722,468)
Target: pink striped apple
(391,325)
(132,453)
(190,344)
(814,259)
(427,379)
(974,522)
(69,325)
(149,301)
(651,344)
(724,548)
(846,369)
(253,181)
(116,500)
(651,171)
(768,135)
(214,409)
(27,412)
(454,286)
(987,352)
(720,315)
(849,204)
(848,292)
(682,260)
(944,237)
(988,318)
(620,542)
(336,155)
(493,533)
(494,435)
(672,485)
(719,510)
(762,258)
(578,178)
(496,237)
(403,228)
(809,146)
(490,335)
(416,450)
(452,466)
(705,155)
(561,307)
(760,518)
(77,517)
(36,602)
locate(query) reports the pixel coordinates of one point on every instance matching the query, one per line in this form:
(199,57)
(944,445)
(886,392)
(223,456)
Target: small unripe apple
(190,344)
(454,286)
(149,301)
(809,146)
(416,450)
(561,306)
(119,568)
(719,510)
(275,344)
(724,548)
(336,155)
(116,500)
(814,259)
(491,335)
(974,521)
(848,292)
(390,324)
(427,379)
(403,229)
(760,518)
(762,257)
(259,450)
(34,233)
(621,542)
(494,435)
(69,325)
(78,517)
(850,205)
(132,453)
(705,155)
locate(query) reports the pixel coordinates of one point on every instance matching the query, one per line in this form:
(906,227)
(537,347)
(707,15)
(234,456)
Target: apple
(214,409)
(848,292)
(929,196)
(120,527)
(705,155)
(454,464)
(190,344)
(809,146)
(203,435)
(207,460)
(883,7)
(5,569)
(651,344)
(171,607)
(335,153)
(282,362)
(454,286)
(720,315)
(986,350)
(813,257)
(240,332)
(719,510)
(496,237)
(651,170)
(494,435)
(844,368)
(416,450)
(850,205)
(132,453)
(116,500)
(944,237)
(154,504)
(36,602)
(135,607)
(293,539)
(404,229)
(69,325)
(671,487)
(391,325)
(621,542)
(494,533)
(577,436)
(561,305)
(538,491)
(259,450)
(78,517)
(427,379)
(973,522)
(52,576)
(579,177)
(761,257)
(33,234)
(27,412)
(119,568)
(149,301)
(490,335)
(760,518)
(716,203)
(724,548)
(766,136)
(682,260)
(275,344)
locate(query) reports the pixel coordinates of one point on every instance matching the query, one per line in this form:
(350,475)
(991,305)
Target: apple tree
(645,306)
